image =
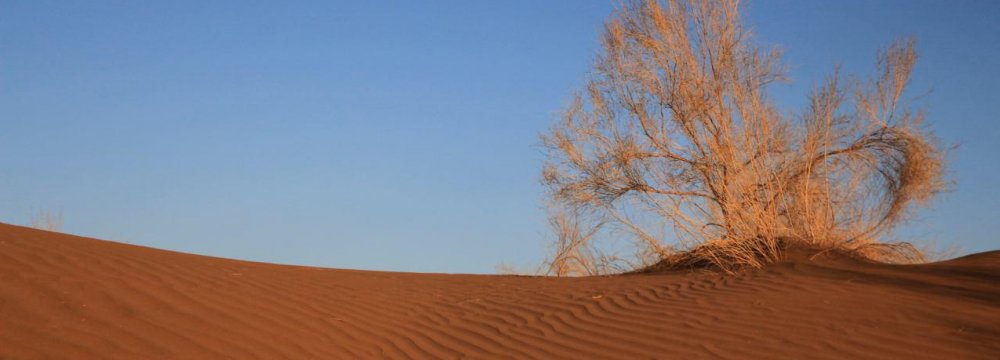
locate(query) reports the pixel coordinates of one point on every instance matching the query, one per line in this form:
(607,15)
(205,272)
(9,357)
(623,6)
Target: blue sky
(394,135)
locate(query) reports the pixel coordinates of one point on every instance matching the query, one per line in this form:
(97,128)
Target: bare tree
(675,128)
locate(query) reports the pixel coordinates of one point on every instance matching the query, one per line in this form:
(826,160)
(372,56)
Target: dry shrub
(576,255)
(676,142)
(47,220)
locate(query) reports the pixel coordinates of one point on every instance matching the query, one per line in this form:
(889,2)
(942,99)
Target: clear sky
(394,135)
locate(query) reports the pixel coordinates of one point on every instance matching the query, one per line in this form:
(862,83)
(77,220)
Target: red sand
(68,297)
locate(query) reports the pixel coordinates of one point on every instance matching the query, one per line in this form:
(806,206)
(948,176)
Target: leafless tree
(675,128)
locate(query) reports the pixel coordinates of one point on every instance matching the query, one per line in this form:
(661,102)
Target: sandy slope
(69,297)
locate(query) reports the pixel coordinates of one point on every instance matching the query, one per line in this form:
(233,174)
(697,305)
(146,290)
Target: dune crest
(65,296)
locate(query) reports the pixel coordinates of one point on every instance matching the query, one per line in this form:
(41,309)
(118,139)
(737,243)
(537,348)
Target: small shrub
(47,220)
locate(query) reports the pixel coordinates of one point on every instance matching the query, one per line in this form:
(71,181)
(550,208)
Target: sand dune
(70,297)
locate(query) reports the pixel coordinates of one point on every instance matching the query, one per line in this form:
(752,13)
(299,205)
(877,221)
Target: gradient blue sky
(393,135)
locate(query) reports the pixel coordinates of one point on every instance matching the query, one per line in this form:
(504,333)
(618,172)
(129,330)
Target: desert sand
(69,297)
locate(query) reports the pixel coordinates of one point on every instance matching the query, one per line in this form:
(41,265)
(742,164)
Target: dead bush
(675,141)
